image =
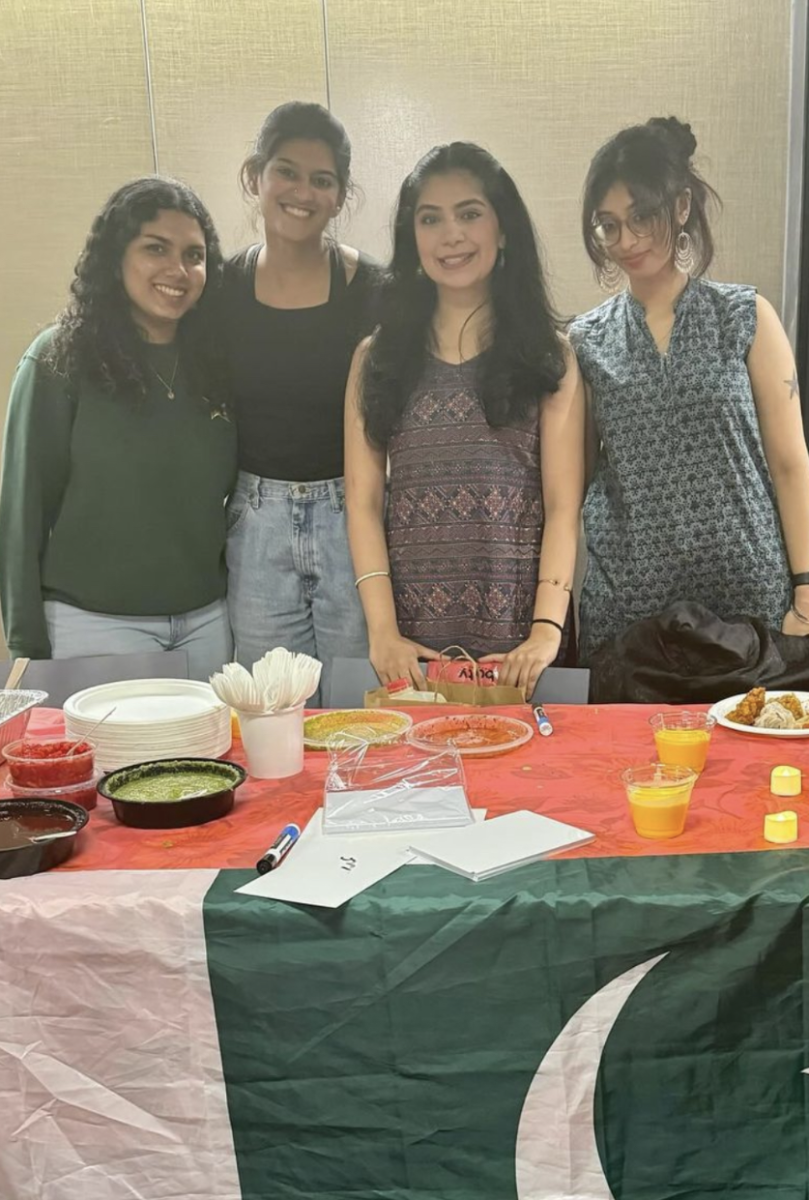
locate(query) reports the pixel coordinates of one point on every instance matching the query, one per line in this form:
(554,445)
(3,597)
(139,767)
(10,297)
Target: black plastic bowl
(173,814)
(38,819)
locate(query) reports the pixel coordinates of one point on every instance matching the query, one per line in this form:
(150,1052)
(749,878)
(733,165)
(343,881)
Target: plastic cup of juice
(682,738)
(659,795)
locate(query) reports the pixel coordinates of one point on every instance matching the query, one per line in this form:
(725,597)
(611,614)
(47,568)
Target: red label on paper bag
(461,670)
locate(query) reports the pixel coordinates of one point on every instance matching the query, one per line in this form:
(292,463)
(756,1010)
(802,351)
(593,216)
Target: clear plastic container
(396,789)
(83,793)
(45,762)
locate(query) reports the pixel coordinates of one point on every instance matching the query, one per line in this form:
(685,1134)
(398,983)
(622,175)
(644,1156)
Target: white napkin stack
(481,851)
(279,681)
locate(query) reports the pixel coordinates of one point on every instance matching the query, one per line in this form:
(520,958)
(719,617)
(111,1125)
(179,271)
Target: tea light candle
(785,781)
(781,827)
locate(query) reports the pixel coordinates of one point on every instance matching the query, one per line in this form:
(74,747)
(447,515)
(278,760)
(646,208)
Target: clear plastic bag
(395,790)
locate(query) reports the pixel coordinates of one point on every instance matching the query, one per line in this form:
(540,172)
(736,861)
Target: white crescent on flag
(556,1155)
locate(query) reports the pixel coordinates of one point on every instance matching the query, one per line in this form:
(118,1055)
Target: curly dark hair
(524,360)
(653,161)
(96,337)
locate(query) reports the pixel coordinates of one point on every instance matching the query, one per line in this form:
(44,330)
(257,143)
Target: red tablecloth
(574,775)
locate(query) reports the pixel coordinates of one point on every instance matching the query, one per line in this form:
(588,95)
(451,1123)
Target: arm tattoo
(792,384)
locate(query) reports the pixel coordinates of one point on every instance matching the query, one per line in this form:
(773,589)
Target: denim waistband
(285,489)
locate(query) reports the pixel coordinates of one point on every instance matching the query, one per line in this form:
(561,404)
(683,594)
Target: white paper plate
(111,760)
(137,731)
(153,718)
(144,701)
(167,739)
(725,706)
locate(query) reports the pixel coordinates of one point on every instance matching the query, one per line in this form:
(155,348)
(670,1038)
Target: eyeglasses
(642,224)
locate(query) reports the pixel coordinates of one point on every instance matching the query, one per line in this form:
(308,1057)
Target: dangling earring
(419,270)
(501,258)
(684,252)
(610,277)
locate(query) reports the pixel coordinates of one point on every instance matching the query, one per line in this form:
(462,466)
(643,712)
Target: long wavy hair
(524,358)
(96,337)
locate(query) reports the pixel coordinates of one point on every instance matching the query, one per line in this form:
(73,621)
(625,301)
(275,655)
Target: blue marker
(543,724)
(279,849)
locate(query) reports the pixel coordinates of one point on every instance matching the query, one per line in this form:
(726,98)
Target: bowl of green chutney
(172,792)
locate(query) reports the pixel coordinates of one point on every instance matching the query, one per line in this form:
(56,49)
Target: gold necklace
(169,386)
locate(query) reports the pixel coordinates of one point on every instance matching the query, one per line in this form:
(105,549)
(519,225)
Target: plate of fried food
(774,714)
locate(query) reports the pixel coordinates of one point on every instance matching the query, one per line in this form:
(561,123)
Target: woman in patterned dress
(700,473)
(470,393)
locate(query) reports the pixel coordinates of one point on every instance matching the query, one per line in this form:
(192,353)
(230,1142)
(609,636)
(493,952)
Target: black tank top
(289,368)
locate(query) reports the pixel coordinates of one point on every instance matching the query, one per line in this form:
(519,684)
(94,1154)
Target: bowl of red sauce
(49,762)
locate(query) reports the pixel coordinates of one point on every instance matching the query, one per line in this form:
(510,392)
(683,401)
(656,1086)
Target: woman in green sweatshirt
(119,450)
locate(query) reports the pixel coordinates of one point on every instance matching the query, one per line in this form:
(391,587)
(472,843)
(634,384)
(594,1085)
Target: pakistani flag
(632,1029)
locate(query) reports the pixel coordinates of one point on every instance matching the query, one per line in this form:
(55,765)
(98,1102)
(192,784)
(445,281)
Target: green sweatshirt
(112,504)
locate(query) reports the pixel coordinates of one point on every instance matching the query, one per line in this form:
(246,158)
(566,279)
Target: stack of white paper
(481,851)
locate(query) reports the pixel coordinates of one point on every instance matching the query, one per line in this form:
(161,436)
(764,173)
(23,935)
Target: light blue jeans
(203,634)
(291,582)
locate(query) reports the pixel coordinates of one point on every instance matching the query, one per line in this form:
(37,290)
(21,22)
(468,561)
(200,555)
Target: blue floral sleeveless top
(682,506)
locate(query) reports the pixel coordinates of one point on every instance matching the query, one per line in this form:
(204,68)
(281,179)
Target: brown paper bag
(469,695)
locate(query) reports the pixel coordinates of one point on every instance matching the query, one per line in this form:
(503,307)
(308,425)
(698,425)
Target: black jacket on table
(688,655)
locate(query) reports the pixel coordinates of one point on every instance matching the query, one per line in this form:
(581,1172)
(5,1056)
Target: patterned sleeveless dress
(464,518)
(682,506)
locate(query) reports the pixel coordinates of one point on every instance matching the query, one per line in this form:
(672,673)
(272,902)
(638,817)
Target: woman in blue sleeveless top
(699,469)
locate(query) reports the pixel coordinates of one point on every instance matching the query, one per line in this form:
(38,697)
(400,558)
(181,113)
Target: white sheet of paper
(416,860)
(480,851)
(328,870)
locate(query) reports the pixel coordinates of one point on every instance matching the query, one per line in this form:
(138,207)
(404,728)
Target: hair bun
(678,132)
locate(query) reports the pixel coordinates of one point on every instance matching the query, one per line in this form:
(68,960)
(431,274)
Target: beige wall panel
(217,70)
(75,125)
(543,83)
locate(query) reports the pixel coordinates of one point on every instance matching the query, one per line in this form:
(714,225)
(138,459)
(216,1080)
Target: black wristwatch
(801,579)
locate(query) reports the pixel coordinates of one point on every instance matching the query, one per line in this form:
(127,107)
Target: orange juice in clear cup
(682,738)
(659,795)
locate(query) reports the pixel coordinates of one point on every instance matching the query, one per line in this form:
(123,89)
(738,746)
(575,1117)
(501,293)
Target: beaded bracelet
(556,583)
(371,575)
(548,621)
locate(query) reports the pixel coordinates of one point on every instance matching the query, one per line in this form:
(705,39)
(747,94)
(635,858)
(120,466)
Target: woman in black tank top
(296,306)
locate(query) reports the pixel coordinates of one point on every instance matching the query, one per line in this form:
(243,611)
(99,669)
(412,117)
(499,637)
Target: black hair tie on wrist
(801,579)
(547,621)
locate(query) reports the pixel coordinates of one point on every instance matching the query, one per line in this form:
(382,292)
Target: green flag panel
(437,1038)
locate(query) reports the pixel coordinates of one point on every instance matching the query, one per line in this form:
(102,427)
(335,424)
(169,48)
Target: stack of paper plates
(153,718)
